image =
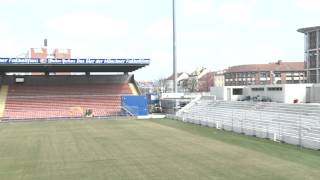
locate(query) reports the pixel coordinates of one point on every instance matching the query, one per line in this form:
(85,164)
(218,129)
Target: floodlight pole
(175,89)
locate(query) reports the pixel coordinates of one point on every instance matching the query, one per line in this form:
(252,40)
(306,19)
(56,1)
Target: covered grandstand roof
(309,29)
(71,65)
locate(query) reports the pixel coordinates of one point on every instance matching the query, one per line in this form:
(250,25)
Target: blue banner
(73,61)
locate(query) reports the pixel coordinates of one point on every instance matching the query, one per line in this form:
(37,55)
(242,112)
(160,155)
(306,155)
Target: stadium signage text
(72,61)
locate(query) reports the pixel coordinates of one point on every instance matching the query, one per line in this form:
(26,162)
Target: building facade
(205,82)
(43,53)
(312,50)
(264,74)
(219,78)
(181,77)
(281,93)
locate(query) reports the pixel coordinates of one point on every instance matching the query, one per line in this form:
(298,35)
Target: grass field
(134,149)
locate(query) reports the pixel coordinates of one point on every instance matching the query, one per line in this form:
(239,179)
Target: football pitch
(144,149)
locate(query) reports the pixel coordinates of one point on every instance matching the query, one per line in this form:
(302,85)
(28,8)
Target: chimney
(45,42)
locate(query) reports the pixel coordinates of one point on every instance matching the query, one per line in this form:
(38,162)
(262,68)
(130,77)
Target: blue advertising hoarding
(137,105)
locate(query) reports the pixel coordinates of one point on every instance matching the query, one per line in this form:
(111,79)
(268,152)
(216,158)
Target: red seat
(68,101)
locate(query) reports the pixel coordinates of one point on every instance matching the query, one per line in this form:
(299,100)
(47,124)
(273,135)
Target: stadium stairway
(3,98)
(134,89)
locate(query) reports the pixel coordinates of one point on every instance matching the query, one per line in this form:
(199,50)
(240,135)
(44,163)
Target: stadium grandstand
(47,95)
(296,124)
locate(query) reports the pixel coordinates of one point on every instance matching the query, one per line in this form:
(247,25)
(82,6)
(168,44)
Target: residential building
(219,78)
(205,81)
(262,74)
(180,78)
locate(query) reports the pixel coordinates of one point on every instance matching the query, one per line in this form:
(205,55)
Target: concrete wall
(295,91)
(276,96)
(221,93)
(315,93)
(218,92)
(288,94)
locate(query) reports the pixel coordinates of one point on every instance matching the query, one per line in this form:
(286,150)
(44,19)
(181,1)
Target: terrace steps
(3,97)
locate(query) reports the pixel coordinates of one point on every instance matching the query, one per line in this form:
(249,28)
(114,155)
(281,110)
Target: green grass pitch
(146,150)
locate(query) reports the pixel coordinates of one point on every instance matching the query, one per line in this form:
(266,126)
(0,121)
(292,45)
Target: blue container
(137,105)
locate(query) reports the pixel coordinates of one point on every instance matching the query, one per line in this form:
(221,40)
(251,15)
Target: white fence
(296,124)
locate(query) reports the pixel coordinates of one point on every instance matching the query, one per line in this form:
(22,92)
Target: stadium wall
(281,93)
(315,94)
(226,93)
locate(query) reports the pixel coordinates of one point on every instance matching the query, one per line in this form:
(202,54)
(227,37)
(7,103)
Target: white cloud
(199,36)
(159,30)
(267,53)
(237,12)
(198,7)
(8,46)
(88,34)
(8,1)
(162,30)
(89,26)
(234,13)
(160,67)
(267,23)
(259,53)
(307,4)
(190,58)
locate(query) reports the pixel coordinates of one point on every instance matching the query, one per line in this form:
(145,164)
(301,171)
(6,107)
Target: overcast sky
(211,33)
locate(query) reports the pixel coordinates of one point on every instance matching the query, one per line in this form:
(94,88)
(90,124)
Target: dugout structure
(48,88)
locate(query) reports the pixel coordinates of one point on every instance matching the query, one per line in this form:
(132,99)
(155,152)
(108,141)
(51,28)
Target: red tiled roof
(278,66)
(207,76)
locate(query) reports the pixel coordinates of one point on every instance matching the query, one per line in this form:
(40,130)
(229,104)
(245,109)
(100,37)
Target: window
(312,37)
(237,91)
(289,81)
(263,74)
(257,89)
(275,89)
(313,59)
(263,82)
(313,76)
(277,74)
(227,75)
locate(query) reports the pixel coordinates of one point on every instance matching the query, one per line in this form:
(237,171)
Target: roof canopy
(71,65)
(309,29)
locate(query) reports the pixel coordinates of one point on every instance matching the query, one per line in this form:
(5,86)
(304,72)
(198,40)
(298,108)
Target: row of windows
(269,89)
(240,75)
(262,74)
(257,89)
(275,89)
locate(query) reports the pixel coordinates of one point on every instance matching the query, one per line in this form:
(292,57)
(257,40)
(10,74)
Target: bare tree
(160,85)
(193,84)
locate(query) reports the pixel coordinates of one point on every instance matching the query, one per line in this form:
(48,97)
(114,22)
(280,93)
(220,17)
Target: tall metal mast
(175,89)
